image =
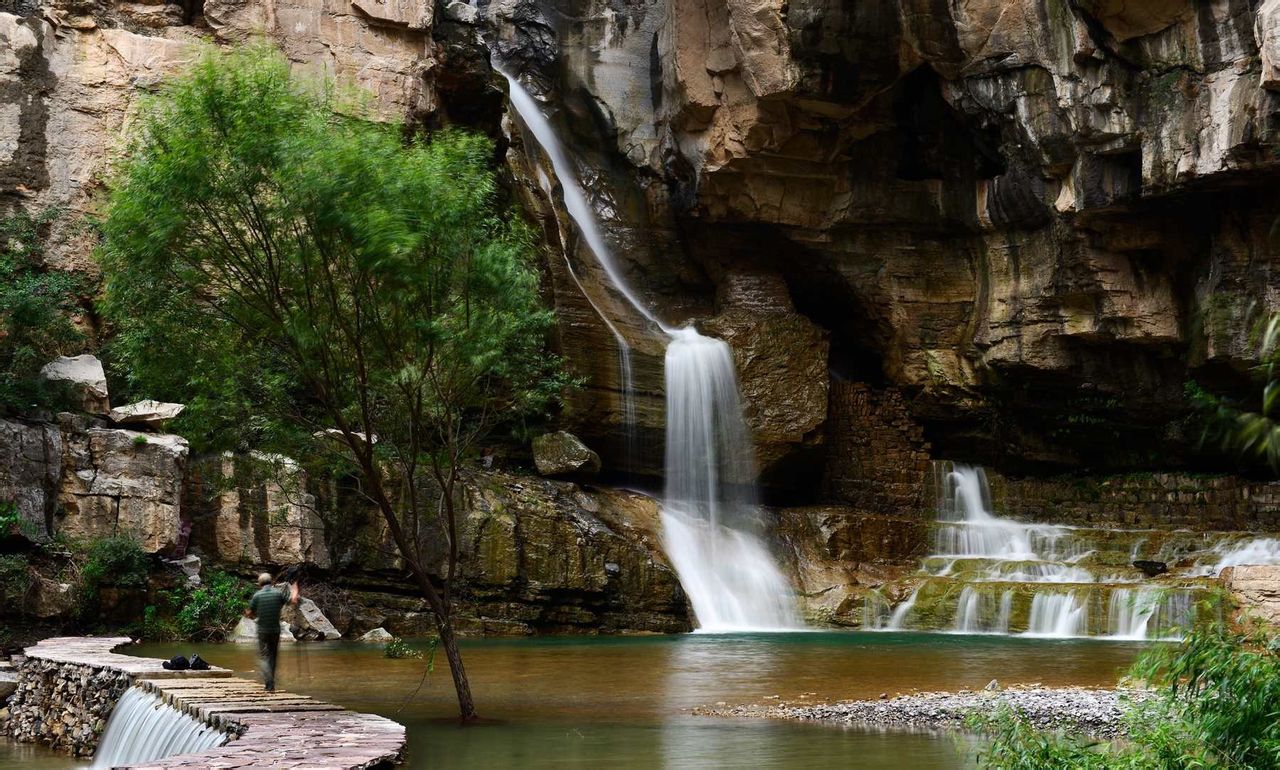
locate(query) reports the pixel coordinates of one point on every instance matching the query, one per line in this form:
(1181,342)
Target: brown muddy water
(625,701)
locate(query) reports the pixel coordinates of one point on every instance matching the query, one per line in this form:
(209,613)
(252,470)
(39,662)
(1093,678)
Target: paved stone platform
(272,730)
(98,652)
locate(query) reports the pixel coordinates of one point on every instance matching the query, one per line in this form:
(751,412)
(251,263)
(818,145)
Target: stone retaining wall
(67,688)
(1148,500)
(877,456)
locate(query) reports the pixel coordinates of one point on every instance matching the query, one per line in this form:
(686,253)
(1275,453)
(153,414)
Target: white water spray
(710,512)
(142,728)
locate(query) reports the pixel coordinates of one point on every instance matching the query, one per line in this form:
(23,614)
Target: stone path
(273,730)
(96,652)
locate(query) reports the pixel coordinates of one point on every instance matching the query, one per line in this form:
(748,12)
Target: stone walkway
(273,730)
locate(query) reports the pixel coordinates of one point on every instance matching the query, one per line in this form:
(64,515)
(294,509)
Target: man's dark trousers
(268,647)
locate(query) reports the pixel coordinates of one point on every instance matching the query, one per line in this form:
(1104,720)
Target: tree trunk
(466,706)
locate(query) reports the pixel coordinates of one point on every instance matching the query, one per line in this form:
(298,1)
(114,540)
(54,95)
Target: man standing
(265,608)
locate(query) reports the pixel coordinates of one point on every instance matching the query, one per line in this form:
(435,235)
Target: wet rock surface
(1093,712)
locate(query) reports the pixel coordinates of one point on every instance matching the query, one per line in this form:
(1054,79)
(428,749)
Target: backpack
(177,663)
(198,663)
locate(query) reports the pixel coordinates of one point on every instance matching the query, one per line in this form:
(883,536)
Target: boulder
(86,375)
(117,481)
(246,632)
(153,414)
(189,566)
(30,472)
(1256,587)
(51,599)
(562,453)
(309,621)
(377,636)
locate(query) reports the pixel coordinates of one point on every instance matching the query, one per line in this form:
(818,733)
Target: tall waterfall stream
(142,728)
(710,517)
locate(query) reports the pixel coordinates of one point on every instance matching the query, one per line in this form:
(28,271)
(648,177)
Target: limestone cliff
(1035,220)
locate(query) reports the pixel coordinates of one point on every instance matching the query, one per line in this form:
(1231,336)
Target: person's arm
(252,610)
(293,593)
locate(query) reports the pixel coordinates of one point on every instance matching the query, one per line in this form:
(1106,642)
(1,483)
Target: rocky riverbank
(1095,712)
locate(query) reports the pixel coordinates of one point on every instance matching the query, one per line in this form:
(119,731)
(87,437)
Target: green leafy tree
(36,307)
(322,287)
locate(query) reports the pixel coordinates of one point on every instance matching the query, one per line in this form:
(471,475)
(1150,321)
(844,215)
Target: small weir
(143,728)
(992,575)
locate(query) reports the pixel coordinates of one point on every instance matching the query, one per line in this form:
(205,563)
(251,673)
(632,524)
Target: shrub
(1217,706)
(118,560)
(36,307)
(207,611)
(398,648)
(15,580)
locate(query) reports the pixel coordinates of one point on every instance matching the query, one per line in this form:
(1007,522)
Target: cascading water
(710,516)
(142,728)
(989,575)
(710,511)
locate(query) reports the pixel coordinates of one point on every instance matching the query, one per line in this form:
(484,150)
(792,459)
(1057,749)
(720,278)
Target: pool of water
(626,701)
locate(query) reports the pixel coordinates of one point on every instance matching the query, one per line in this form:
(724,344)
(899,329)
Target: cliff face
(1036,220)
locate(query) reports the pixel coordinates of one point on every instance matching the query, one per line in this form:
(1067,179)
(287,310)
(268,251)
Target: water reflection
(625,702)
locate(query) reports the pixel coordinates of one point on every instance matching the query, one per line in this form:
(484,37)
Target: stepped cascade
(991,575)
(710,516)
(142,728)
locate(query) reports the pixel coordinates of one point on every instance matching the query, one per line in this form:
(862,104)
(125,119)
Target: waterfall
(991,575)
(142,728)
(710,516)
(710,512)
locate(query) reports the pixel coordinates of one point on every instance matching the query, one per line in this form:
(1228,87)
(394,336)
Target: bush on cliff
(36,308)
(117,562)
(1218,706)
(326,289)
(198,613)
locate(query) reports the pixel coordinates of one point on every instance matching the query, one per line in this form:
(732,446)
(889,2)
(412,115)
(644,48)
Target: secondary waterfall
(142,728)
(992,575)
(710,516)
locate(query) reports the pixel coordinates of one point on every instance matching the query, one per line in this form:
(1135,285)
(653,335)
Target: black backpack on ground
(177,663)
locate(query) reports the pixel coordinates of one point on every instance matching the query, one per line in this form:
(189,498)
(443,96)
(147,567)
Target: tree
(307,281)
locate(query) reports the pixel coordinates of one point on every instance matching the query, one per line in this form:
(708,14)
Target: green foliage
(15,580)
(397,648)
(1249,430)
(1217,705)
(280,269)
(200,613)
(10,518)
(209,610)
(118,562)
(36,305)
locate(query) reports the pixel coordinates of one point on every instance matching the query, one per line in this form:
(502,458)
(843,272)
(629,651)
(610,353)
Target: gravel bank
(1095,712)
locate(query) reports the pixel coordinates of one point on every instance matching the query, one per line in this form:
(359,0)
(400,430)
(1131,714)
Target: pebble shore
(1094,712)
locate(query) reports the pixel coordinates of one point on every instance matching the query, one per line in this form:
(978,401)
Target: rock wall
(877,457)
(536,556)
(837,555)
(1148,500)
(1256,589)
(63,705)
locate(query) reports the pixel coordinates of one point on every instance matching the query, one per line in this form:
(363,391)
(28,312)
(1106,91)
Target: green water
(626,701)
